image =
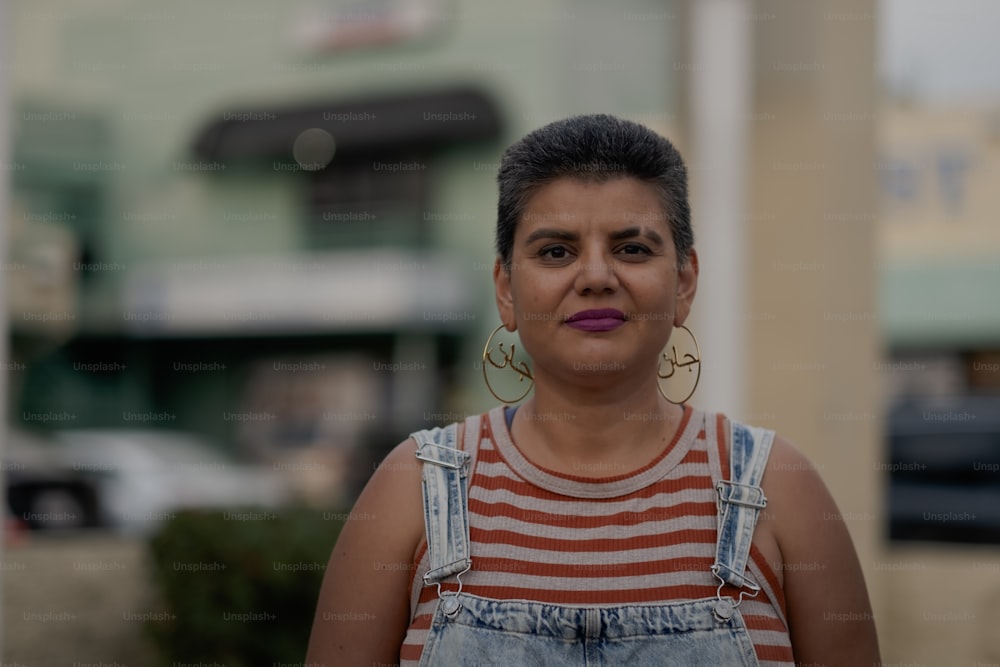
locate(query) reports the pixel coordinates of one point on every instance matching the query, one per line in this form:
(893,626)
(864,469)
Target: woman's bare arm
(829,615)
(363,608)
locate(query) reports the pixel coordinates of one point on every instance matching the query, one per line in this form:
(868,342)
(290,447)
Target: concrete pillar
(812,310)
(720,98)
(804,345)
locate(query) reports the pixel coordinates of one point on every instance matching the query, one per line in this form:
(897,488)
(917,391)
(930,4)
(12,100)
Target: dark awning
(388,124)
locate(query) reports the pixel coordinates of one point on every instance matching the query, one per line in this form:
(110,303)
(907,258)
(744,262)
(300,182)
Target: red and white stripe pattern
(644,537)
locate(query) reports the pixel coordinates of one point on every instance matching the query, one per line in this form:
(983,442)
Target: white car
(145,476)
(43,493)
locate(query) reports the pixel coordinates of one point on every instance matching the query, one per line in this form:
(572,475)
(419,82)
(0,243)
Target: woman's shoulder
(793,477)
(400,471)
(790,477)
(783,452)
(397,482)
(787,466)
(468,426)
(393,491)
(799,504)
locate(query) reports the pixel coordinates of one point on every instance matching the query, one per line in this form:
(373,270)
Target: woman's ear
(687,286)
(505,301)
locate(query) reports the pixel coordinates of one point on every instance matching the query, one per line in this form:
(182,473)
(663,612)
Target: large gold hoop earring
(519,367)
(685,360)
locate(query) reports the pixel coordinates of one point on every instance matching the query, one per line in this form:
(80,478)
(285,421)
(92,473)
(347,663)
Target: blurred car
(145,476)
(944,469)
(43,491)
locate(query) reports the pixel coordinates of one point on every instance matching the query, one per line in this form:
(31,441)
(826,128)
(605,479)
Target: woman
(598,522)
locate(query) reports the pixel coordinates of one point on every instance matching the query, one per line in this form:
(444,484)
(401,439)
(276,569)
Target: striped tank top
(645,537)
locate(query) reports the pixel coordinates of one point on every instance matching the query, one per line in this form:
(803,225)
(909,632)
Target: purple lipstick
(600,319)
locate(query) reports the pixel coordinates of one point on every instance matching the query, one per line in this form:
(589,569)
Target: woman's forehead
(568,202)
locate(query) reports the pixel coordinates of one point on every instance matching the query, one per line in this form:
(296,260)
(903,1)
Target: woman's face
(594,287)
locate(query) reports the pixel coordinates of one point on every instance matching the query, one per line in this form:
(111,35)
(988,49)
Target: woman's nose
(596,272)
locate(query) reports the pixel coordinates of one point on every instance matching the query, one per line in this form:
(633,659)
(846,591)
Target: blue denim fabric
(446,512)
(468,630)
(740,502)
(515,633)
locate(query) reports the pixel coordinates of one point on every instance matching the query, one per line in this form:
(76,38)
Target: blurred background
(249,249)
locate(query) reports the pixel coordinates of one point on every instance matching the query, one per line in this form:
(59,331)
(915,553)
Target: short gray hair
(593,148)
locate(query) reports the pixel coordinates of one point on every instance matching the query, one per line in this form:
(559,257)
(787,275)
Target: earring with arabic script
(673,361)
(520,368)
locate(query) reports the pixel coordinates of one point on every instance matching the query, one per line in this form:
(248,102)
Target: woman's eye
(634,249)
(554,252)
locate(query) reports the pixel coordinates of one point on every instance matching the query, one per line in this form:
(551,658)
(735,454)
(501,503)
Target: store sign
(941,174)
(341,25)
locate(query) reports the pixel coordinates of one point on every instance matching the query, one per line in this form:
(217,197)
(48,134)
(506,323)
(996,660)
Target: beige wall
(810,309)
(939,601)
(949,212)
(819,229)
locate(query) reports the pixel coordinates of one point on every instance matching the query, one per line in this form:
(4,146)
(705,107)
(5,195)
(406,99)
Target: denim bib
(470,630)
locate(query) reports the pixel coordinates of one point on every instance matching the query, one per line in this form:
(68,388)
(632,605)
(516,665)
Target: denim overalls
(468,630)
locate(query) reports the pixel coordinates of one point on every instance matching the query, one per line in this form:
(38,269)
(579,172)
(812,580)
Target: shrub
(239,587)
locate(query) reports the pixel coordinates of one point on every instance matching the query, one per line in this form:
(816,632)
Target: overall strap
(740,502)
(446,516)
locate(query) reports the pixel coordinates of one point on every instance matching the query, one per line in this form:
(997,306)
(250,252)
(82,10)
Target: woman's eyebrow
(546,233)
(564,235)
(632,232)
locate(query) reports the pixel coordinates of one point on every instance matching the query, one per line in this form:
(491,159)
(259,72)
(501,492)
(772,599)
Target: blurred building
(278,221)
(939,276)
(941,262)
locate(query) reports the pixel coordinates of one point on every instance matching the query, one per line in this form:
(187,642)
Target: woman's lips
(602,319)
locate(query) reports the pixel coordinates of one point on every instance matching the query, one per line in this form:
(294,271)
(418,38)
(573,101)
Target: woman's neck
(595,433)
